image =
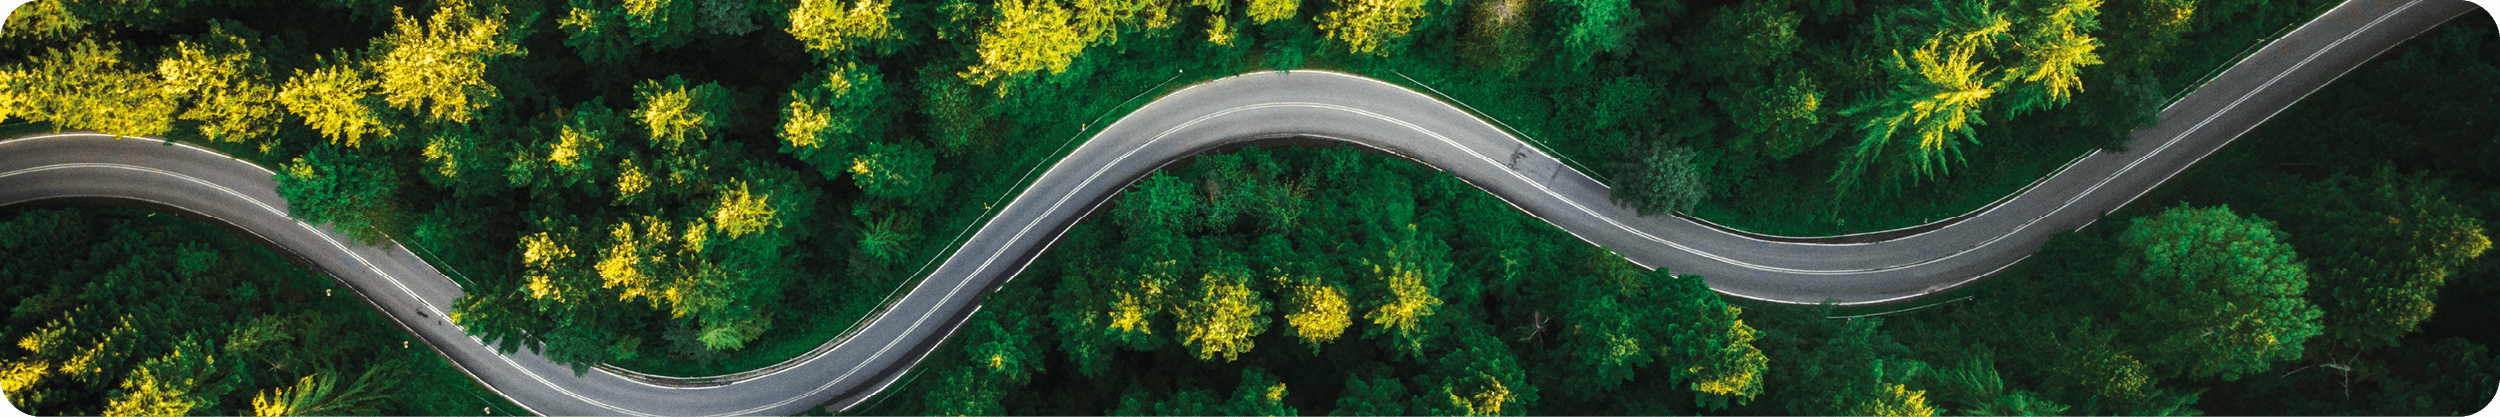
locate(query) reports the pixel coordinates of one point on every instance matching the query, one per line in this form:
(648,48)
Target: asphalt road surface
(1231,111)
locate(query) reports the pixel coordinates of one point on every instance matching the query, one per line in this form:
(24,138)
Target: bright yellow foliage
(164,386)
(1129,313)
(442,151)
(1028,36)
(15,377)
(439,65)
(1319,315)
(1895,400)
(1737,369)
(1409,303)
(628,254)
(1954,97)
(231,104)
(740,213)
(49,337)
(330,99)
(540,253)
(1223,318)
(1367,25)
(144,395)
(669,112)
(630,181)
(88,86)
(2055,63)
(1263,11)
(571,144)
(1219,31)
(827,27)
(88,365)
(807,118)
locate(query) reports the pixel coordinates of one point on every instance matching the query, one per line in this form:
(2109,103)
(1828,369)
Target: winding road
(1247,108)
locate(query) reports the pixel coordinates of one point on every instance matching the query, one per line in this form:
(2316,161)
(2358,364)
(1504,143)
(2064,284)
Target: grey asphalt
(1231,111)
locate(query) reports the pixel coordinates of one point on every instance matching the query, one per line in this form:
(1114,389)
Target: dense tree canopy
(2225,291)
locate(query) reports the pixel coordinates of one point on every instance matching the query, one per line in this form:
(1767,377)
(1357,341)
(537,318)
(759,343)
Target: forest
(123,311)
(699,187)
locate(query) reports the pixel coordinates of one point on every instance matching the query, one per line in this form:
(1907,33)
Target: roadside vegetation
(130,312)
(700,187)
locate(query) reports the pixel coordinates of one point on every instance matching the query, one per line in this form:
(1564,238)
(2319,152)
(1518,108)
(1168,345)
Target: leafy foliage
(1663,181)
(1371,26)
(437,67)
(831,28)
(1938,98)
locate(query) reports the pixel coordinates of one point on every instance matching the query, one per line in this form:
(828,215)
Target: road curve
(1231,111)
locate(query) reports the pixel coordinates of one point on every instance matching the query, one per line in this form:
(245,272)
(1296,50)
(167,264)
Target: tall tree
(88,86)
(2056,47)
(831,28)
(224,74)
(352,192)
(2214,294)
(1780,119)
(338,100)
(831,114)
(676,114)
(2384,245)
(1936,97)
(1029,36)
(1258,394)
(1375,27)
(319,394)
(1224,312)
(1598,26)
(1661,180)
(437,67)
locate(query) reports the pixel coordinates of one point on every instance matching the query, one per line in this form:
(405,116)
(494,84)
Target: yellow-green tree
(186,379)
(830,28)
(318,394)
(1937,97)
(2056,46)
(1319,312)
(1224,314)
(675,114)
(338,101)
(1263,11)
(225,79)
(437,67)
(1029,36)
(831,114)
(88,86)
(1410,301)
(1895,400)
(1371,26)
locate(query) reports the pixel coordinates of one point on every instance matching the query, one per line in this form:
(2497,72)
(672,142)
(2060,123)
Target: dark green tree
(353,193)
(2381,247)
(2213,294)
(1661,180)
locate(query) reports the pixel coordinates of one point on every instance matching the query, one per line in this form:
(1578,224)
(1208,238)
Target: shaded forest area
(697,187)
(130,312)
